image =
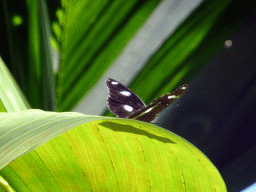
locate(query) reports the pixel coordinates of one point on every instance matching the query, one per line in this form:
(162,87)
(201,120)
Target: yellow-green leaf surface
(24,131)
(100,155)
(12,98)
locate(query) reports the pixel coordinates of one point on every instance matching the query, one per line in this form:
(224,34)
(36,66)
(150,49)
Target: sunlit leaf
(101,155)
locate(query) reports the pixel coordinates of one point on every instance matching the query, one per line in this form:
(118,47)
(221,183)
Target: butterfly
(126,104)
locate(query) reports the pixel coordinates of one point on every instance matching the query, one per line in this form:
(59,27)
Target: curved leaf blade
(12,98)
(22,132)
(113,155)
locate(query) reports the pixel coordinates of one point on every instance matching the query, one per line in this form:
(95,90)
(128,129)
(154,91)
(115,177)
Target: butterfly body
(126,104)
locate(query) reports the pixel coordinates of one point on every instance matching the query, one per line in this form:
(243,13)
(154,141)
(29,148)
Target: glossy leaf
(103,155)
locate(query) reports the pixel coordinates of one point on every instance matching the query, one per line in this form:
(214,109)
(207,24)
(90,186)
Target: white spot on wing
(150,109)
(171,96)
(128,108)
(125,93)
(114,83)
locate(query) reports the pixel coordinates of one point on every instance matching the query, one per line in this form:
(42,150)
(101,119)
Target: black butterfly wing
(150,112)
(121,100)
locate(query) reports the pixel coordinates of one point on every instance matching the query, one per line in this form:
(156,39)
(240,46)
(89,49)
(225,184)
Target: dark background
(217,113)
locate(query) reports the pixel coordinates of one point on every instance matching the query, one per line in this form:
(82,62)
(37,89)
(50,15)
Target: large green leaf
(103,155)
(26,130)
